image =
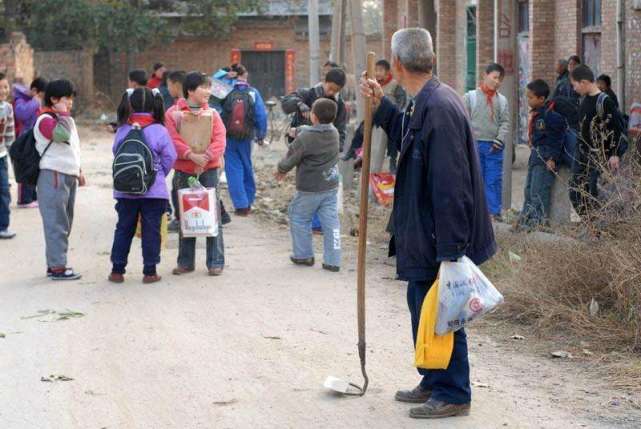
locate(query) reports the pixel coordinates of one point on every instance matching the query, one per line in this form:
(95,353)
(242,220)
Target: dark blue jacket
(547,136)
(440,212)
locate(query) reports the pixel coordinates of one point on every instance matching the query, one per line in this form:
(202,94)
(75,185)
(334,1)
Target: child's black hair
(39,84)
(193,80)
(539,87)
(239,69)
(325,110)
(605,79)
(138,76)
(575,58)
(336,76)
(582,72)
(177,76)
(141,100)
(58,89)
(2,76)
(384,63)
(331,64)
(494,67)
(158,66)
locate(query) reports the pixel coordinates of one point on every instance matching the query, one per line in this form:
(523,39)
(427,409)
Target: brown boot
(215,272)
(151,279)
(415,396)
(434,409)
(179,271)
(116,278)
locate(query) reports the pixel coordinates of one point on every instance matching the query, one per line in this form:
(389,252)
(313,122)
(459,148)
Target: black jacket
(291,104)
(440,212)
(547,136)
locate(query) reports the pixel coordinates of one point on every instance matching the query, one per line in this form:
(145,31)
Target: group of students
(578,125)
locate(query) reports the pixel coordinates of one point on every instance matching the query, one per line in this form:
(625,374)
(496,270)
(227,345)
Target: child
(143,107)
(490,118)
(314,153)
(157,76)
(175,81)
(27,106)
(604,82)
(546,134)
(203,165)
(58,143)
(137,79)
(601,141)
(238,153)
(7,136)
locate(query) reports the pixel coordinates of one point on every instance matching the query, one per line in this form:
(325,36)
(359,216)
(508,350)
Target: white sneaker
(7,235)
(223,178)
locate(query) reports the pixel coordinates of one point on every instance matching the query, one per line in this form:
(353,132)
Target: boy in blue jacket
(546,133)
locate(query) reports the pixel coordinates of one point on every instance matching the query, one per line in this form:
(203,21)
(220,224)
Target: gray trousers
(56,199)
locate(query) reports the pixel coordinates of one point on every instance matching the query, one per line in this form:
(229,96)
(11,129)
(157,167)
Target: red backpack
(238,114)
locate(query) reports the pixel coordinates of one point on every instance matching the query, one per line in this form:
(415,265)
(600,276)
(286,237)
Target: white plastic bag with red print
(198,212)
(464,294)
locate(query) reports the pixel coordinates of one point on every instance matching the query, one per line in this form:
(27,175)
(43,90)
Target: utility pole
(314,42)
(359,49)
(337,51)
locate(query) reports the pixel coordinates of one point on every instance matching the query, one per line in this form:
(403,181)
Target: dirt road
(247,350)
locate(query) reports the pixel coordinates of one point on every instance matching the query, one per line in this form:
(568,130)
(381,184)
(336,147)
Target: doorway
(266,72)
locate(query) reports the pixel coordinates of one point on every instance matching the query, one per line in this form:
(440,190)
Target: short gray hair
(414,49)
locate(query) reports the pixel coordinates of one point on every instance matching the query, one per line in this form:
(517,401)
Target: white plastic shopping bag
(464,295)
(198,212)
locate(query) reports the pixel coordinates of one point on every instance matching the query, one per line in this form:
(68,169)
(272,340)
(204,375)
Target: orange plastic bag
(432,351)
(382,184)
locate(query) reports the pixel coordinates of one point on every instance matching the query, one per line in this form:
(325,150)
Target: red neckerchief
(142,119)
(489,97)
(387,80)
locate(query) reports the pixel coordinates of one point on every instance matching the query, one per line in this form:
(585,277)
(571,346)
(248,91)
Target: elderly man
(440,211)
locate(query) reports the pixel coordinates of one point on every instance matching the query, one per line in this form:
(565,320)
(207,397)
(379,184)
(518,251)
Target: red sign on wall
(263,46)
(235,56)
(290,70)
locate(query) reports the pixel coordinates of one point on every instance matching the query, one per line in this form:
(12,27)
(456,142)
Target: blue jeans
(240,173)
(492,171)
(538,193)
(301,210)
(451,385)
(5,194)
(151,212)
(215,245)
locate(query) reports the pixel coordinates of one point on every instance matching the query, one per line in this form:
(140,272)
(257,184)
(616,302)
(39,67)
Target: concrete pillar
(561,207)
(390,25)
(504,34)
(484,35)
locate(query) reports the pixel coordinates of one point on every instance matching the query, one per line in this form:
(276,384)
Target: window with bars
(524,16)
(591,13)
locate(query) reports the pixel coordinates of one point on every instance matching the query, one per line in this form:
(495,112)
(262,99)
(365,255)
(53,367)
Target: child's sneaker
(7,235)
(116,278)
(33,205)
(332,268)
(66,274)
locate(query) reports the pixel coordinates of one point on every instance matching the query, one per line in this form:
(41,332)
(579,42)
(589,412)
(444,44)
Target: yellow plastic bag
(164,230)
(432,351)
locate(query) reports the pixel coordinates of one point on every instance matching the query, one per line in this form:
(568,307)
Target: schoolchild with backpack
(546,134)
(245,119)
(199,159)
(144,155)
(58,146)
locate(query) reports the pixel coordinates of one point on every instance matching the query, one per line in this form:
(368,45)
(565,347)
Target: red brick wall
(207,55)
(77,66)
(542,38)
(16,59)
(484,35)
(567,29)
(446,42)
(632,55)
(390,24)
(609,39)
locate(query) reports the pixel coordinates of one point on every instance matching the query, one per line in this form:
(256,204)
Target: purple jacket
(162,147)
(26,108)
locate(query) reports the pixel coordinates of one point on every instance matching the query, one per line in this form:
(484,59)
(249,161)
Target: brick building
(273,45)
(527,37)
